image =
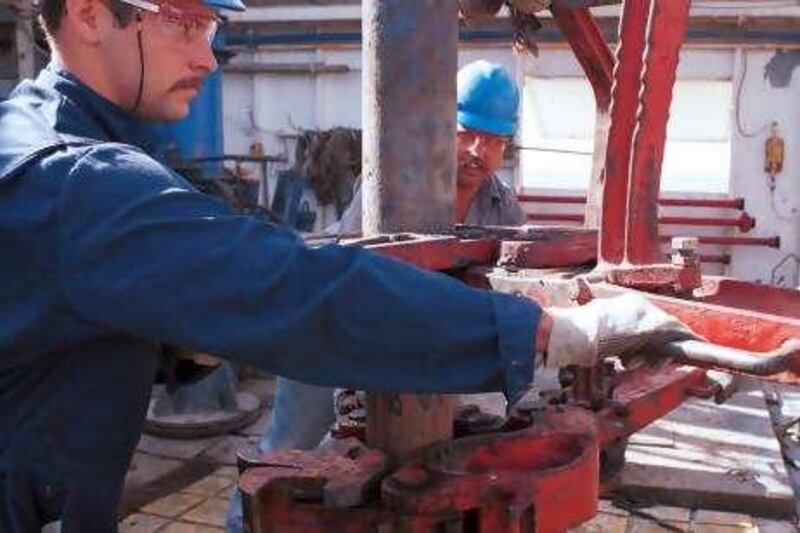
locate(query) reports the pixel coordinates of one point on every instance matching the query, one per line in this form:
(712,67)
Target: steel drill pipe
(410,62)
(410,58)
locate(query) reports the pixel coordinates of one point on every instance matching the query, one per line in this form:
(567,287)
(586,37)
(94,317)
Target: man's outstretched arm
(144,254)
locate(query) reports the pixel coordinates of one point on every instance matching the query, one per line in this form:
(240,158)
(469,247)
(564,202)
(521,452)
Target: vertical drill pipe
(410,59)
(625,102)
(667,29)
(409,115)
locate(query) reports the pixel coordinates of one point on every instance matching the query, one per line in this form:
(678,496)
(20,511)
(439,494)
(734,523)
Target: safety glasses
(489,140)
(181,19)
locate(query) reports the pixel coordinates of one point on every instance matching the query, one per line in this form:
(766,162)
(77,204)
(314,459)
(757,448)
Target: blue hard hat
(232,5)
(487,98)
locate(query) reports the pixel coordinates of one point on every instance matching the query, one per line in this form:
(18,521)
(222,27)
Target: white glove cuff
(573,339)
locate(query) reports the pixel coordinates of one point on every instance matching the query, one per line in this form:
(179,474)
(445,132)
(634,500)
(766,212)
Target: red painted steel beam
(744,222)
(676,277)
(557,247)
(594,55)
(719,203)
(729,203)
(590,48)
(643,396)
(625,97)
(749,296)
(440,253)
(666,32)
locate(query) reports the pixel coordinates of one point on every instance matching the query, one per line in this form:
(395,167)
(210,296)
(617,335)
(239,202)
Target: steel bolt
(685,244)
(684,251)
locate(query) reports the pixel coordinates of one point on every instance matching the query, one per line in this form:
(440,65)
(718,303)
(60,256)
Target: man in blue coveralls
(107,253)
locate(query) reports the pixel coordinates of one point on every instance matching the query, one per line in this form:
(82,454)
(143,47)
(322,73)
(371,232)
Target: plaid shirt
(495,205)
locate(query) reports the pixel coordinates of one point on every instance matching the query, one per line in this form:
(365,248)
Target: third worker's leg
(302,415)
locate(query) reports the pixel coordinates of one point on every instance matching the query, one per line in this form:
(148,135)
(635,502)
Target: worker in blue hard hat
(108,253)
(487,115)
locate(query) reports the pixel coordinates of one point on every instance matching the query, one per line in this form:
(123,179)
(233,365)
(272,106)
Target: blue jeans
(301,417)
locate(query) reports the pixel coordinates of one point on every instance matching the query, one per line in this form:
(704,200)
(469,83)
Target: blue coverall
(107,253)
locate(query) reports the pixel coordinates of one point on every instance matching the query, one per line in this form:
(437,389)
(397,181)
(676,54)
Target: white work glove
(622,327)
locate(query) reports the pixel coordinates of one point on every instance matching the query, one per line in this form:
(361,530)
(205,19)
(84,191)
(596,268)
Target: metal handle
(707,355)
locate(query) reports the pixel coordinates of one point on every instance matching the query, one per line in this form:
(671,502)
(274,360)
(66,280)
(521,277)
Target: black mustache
(188,83)
(476,163)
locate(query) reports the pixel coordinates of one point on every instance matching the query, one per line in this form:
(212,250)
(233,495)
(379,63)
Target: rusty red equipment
(513,474)
(743,223)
